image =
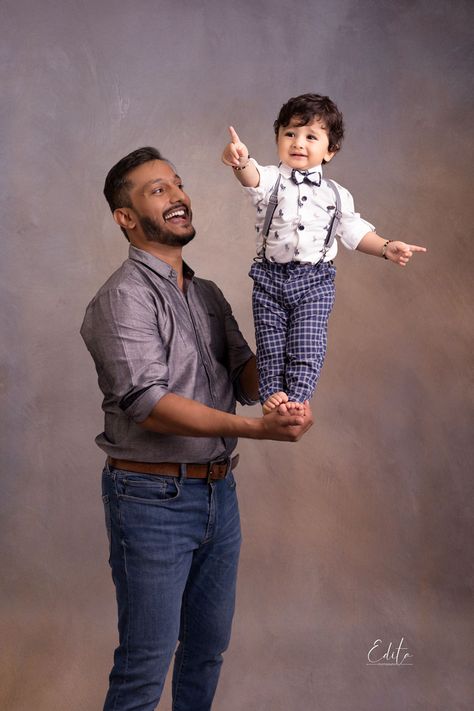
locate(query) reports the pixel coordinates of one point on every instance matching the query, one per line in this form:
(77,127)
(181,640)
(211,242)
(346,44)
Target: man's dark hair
(117,185)
(308,107)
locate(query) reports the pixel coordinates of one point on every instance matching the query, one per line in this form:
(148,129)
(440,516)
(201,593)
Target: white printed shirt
(302,217)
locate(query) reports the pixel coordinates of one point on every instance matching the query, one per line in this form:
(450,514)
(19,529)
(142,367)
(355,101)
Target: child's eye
(311,137)
(290,134)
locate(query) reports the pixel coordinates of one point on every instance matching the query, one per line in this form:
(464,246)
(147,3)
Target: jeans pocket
(148,489)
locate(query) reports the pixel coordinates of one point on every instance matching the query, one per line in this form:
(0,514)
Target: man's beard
(154,233)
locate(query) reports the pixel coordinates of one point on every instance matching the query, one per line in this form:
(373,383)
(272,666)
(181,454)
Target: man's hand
(235,153)
(400,253)
(177,415)
(286,428)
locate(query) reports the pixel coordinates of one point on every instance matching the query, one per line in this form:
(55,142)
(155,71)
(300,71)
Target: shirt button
(301,227)
(304,198)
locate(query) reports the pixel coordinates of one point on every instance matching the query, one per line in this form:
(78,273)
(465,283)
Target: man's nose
(177,194)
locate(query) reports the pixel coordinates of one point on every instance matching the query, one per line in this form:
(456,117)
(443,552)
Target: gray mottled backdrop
(363,530)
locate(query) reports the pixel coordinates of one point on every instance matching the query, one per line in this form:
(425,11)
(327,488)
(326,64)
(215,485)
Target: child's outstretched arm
(237,156)
(395,251)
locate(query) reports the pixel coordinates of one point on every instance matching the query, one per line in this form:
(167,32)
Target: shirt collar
(157,265)
(285,170)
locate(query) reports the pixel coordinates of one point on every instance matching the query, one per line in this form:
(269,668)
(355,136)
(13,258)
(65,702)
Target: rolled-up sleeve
(120,331)
(352,226)
(239,354)
(237,349)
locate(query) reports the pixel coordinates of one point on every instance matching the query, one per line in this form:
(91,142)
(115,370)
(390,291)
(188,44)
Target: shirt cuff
(241,396)
(239,393)
(351,238)
(142,405)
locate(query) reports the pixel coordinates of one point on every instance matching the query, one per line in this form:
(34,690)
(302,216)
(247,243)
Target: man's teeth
(175,213)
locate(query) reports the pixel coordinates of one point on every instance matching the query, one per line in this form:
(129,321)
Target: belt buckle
(225,461)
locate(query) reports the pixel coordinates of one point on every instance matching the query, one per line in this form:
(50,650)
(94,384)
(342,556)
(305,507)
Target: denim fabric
(174,549)
(291,306)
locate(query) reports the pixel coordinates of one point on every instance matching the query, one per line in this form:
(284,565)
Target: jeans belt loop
(209,472)
(182,473)
(229,466)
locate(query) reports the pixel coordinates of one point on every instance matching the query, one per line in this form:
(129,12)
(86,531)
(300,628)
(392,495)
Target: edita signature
(389,655)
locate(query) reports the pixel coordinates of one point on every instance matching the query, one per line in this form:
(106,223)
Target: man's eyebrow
(155,181)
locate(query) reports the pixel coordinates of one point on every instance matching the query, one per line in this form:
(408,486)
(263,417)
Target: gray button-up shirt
(148,338)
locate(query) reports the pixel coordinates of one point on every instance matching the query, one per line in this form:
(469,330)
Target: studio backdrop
(357,539)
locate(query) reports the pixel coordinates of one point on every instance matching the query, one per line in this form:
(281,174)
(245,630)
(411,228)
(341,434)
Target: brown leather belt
(212,470)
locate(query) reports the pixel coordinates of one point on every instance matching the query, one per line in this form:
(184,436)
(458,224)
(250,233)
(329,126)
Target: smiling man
(171,363)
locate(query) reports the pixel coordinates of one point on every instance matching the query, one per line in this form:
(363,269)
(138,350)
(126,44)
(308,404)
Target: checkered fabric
(291,306)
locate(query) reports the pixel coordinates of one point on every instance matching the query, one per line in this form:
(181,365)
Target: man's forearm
(174,414)
(177,415)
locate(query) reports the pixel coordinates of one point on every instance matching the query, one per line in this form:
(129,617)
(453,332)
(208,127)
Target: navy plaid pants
(291,306)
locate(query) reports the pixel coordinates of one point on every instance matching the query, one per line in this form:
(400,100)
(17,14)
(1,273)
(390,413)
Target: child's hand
(235,153)
(400,252)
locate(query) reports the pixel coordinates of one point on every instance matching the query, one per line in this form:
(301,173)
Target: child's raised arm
(236,155)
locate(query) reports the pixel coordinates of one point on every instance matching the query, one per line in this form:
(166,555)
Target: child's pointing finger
(233,135)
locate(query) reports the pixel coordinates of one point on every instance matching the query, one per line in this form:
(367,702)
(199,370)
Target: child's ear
(331,153)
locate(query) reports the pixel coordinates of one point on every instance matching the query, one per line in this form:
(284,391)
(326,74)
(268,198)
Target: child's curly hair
(308,107)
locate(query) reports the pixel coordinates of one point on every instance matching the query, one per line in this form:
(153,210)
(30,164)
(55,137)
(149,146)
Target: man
(170,361)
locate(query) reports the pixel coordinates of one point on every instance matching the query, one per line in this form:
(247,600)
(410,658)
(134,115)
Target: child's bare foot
(274,401)
(291,408)
(295,408)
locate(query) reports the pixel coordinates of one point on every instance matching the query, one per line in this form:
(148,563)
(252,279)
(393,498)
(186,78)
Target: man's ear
(124,217)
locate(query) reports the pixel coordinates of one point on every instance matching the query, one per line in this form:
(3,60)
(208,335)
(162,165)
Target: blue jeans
(174,550)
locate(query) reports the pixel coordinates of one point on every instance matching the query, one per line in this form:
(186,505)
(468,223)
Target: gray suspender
(332,229)
(271,207)
(335,220)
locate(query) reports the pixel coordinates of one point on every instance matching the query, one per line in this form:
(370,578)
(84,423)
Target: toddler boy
(298,215)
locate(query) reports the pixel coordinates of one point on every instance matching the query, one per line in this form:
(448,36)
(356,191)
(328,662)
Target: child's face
(303,147)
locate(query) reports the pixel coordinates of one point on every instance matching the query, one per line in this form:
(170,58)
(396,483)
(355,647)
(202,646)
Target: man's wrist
(251,428)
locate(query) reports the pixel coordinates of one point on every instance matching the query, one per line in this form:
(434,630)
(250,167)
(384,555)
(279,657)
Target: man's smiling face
(161,207)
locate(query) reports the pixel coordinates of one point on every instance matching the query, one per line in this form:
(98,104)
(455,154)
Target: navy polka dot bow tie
(300,176)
